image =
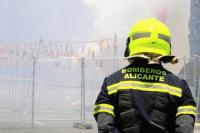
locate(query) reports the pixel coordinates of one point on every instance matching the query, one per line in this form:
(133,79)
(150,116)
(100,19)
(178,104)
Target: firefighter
(144,97)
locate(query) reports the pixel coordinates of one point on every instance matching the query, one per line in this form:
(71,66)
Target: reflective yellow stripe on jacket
(144,86)
(189,109)
(106,108)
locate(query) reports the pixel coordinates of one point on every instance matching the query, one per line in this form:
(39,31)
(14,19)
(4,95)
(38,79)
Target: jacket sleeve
(186,111)
(104,111)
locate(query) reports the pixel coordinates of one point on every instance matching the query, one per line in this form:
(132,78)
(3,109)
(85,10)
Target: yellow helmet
(149,36)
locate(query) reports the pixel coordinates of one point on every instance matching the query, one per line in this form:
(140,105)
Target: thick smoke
(117,16)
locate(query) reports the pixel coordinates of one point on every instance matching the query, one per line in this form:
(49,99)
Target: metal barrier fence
(33,89)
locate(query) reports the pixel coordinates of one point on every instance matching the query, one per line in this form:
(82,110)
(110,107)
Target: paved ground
(57,127)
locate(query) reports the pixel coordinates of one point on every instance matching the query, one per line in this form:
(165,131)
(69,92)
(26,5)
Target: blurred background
(54,55)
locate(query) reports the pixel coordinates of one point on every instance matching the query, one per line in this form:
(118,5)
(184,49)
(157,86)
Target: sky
(22,20)
(76,20)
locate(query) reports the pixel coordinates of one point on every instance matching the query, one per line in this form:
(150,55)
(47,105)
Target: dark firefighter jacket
(144,98)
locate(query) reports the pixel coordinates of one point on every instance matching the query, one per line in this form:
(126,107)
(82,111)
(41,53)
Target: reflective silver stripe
(141,35)
(144,86)
(189,109)
(107,108)
(165,38)
(148,34)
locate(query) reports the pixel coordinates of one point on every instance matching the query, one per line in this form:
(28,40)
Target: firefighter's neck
(152,58)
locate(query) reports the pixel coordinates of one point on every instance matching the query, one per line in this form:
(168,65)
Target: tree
(194,27)
(191,70)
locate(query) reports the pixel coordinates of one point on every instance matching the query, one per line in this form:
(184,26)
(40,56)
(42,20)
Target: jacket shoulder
(173,79)
(115,77)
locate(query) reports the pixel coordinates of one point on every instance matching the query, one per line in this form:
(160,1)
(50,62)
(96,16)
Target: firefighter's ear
(127,51)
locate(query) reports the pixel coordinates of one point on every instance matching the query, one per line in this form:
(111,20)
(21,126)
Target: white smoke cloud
(117,16)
